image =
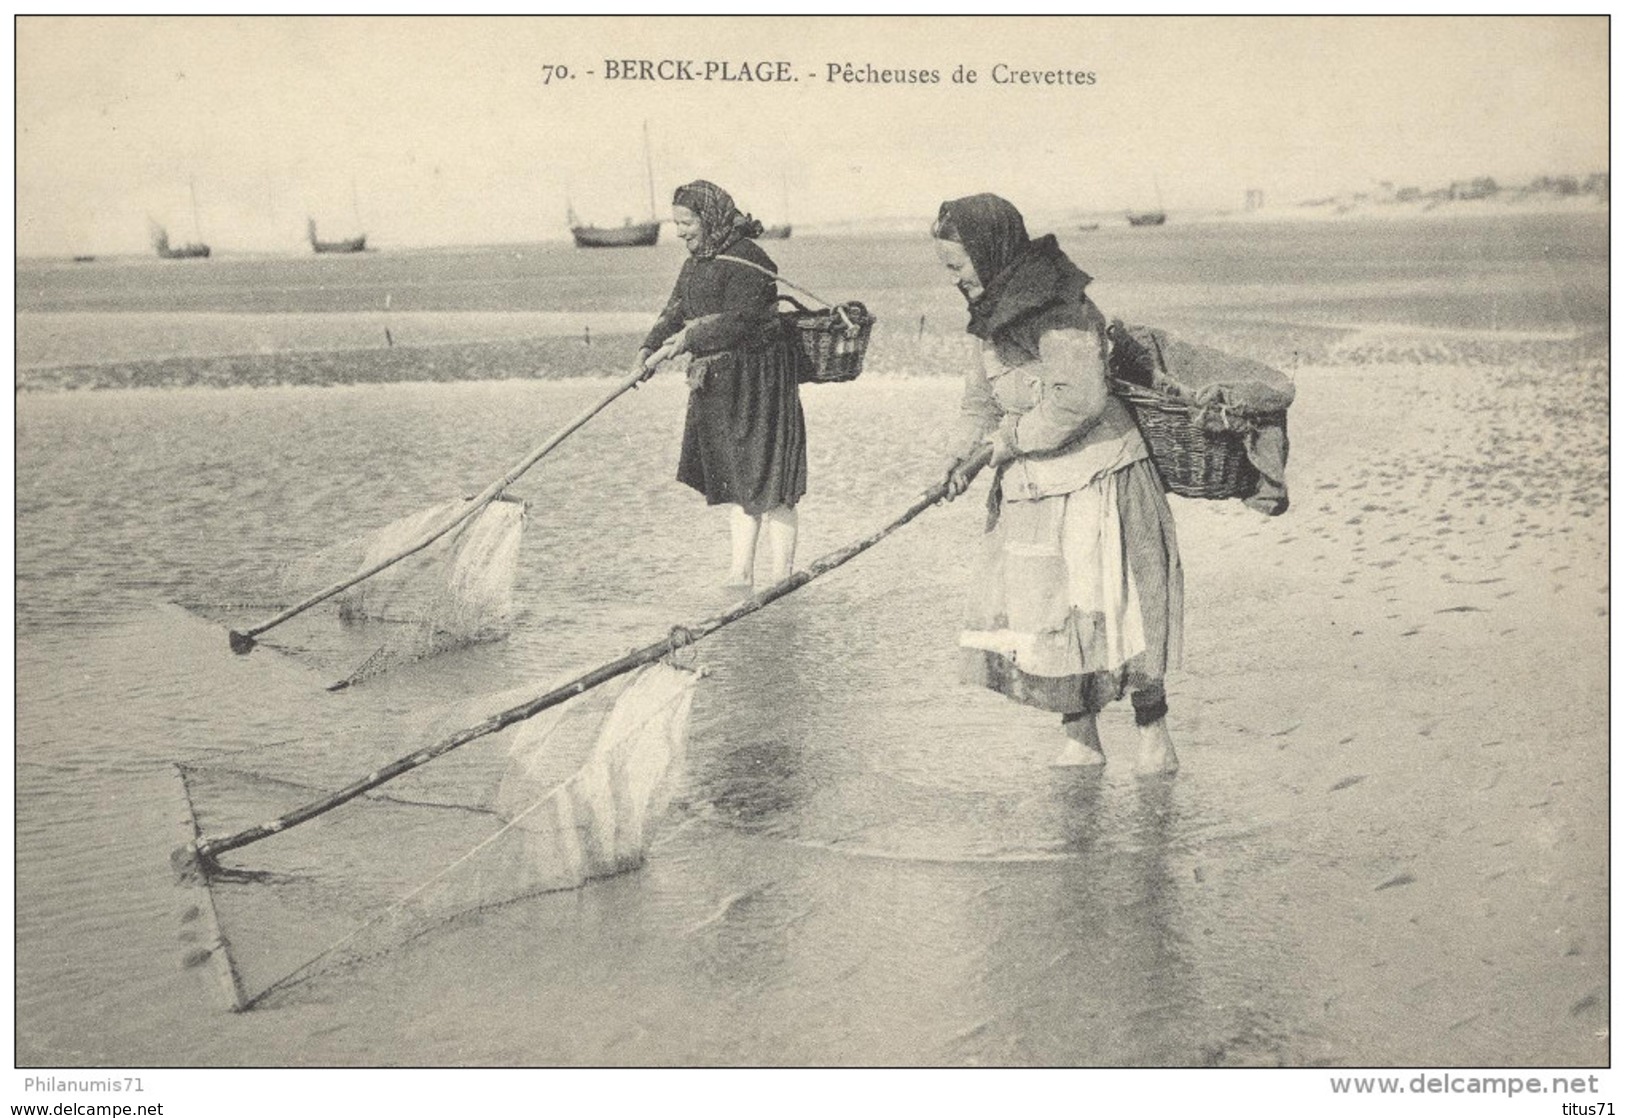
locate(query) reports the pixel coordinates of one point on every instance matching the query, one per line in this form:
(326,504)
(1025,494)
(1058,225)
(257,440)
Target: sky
(447,131)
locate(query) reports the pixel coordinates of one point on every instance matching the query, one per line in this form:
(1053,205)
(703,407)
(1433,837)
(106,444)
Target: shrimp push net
(573,794)
(455,592)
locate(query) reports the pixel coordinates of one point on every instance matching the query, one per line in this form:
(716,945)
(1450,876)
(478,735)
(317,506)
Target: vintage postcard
(812,542)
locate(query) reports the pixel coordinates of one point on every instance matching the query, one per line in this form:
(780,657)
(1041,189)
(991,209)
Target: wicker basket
(832,342)
(1193,460)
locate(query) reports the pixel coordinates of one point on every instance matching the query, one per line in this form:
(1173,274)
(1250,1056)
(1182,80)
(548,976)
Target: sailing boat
(354,244)
(358,243)
(780,232)
(193,250)
(630,235)
(1150,217)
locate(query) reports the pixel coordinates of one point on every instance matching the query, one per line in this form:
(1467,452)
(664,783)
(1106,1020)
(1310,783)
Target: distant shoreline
(1509,203)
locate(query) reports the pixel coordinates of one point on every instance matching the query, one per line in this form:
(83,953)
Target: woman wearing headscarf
(745,439)
(1078,590)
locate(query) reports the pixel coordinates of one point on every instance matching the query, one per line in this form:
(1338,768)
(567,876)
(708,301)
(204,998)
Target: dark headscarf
(1022,279)
(992,233)
(721,223)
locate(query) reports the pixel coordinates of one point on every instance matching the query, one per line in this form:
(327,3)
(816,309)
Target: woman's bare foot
(1077,755)
(1082,744)
(1156,750)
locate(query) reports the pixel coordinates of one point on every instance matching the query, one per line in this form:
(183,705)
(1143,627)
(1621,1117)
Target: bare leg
(1156,749)
(779,533)
(1082,745)
(743,527)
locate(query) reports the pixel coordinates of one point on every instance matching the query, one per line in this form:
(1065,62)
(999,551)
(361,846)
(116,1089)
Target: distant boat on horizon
(194,250)
(775,233)
(632,234)
(354,244)
(190,251)
(1150,217)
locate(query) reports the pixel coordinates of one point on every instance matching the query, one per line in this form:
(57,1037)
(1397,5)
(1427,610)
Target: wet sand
(47,340)
(98,349)
(1408,673)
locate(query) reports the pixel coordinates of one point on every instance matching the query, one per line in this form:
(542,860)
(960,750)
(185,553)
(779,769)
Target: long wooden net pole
(242,640)
(198,856)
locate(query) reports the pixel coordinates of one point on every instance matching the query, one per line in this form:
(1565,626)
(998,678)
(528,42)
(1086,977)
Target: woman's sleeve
(671,319)
(1072,372)
(747,304)
(979,412)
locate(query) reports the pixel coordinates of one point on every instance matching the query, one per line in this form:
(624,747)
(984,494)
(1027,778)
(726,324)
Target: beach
(1386,844)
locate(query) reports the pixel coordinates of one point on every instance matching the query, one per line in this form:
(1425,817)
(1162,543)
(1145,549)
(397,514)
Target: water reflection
(1075,798)
(1072,954)
(1153,937)
(1083,963)
(750,740)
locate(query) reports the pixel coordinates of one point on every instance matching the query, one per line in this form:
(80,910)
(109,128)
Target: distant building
(1407,194)
(1474,188)
(1596,184)
(1556,184)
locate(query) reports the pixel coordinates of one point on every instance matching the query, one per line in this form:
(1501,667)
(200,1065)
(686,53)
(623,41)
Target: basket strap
(775,275)
(1162,361)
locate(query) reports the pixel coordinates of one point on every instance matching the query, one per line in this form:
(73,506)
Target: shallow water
(869,864)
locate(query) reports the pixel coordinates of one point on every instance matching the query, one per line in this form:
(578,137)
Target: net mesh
(456,592)
(574,794)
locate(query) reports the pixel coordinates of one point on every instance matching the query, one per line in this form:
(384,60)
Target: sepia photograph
(811,542)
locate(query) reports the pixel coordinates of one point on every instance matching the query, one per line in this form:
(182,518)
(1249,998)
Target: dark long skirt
(745,440)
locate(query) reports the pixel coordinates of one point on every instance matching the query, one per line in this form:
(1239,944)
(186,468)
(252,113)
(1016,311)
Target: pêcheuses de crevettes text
(772,72)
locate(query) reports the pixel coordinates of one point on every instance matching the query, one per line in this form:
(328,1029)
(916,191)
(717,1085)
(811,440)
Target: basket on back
(831,342)
(1215,423)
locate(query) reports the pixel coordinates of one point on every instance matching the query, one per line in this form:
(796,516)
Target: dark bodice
(725,305)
